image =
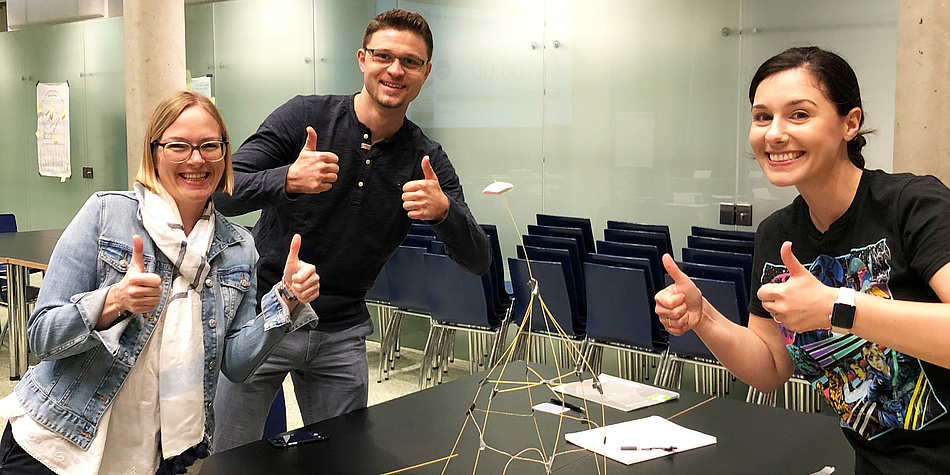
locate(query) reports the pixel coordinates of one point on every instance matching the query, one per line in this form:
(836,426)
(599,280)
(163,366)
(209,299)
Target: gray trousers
(330,376)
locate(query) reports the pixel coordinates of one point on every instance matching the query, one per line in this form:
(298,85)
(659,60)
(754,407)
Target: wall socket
(735,214)
(87,172)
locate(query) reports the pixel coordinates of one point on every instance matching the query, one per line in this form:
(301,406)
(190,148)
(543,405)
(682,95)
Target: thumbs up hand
(138,291)
(801,303)
(423,199)
(313,171)
(300,278)
(680,305)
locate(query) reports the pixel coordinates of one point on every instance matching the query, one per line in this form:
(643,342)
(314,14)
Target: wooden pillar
(922,107)
(154,37)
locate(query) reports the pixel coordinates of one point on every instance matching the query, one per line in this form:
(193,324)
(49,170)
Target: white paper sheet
(52,129)
(653,431)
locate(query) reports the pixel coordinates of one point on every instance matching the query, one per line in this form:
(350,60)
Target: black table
(23,251)
(423,427)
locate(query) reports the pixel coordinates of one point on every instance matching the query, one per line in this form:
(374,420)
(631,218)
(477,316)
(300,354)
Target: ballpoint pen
(566,404)
(634,447)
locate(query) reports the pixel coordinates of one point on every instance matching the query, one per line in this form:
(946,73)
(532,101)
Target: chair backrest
(417,240)
(437,247)
(496,272)
(721,258)
(574,281)
(620,306)
(456,296)
(644,264)
(7,223)
(421,229)
(659,240)
(731,274)
(405,272)
(721,294)
(643,251)
(653,228)
(723,233)
(570,222)
(550,278)
(720,244)
(575,233)
(379,292)
(553,242)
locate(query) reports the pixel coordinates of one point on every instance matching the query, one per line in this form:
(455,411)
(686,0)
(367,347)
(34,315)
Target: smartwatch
(842,315)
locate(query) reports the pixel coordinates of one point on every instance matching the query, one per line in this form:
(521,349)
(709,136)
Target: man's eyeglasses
(180,152)
(385,58)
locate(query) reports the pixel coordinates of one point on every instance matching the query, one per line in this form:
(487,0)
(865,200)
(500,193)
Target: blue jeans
(330,376)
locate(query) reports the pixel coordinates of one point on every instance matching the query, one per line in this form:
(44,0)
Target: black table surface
(29,248)
(422,427)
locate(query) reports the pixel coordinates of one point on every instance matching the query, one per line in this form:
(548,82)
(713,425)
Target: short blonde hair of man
(164,116)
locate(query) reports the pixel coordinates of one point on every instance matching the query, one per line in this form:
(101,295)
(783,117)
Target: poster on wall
(52,129)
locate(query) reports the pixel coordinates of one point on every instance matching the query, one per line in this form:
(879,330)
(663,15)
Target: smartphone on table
(289,439)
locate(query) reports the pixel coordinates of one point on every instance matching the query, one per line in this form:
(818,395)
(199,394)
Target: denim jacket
(82,369)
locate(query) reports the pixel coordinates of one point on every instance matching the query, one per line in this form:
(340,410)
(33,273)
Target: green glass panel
(104,80)
(51,54)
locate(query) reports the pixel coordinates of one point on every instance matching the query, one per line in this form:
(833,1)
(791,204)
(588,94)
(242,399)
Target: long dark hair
(839,82)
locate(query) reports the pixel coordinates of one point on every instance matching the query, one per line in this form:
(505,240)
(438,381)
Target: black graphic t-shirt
(889,243)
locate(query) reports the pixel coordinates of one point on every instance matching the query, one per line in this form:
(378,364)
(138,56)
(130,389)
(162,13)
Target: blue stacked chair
(653,228)
(407,295)
(643,251)
(710,376)
(721,258)
(460,301)
(720,244)
(546,279)
(723,233)
(576,234)
(620,314)
(570,222)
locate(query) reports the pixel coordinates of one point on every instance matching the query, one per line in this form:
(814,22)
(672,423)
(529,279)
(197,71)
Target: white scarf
(181,367)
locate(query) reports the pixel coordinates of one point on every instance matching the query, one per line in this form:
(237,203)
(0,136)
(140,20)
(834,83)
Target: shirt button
(208,282)
(367,161)
(365,136)
(212,323)
(360,184)
(123,264)
(211,365)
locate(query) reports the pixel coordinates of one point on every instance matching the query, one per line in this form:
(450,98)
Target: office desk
(23,251)
(424,426)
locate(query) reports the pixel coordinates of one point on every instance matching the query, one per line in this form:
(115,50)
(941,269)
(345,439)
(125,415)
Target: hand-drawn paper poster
(52,129)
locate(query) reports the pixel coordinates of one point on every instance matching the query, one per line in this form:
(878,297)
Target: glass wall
(611,109)
(628,110)
(88,56)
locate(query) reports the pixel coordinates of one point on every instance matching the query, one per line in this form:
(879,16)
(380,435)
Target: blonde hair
(164,116)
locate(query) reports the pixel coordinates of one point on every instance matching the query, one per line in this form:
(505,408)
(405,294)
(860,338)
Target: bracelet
(285,292)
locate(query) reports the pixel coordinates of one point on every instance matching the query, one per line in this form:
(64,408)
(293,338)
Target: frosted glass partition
(642,127)
(629,110)
(601,109)
(863,32)
(484,102)
(84,55)
(261,53)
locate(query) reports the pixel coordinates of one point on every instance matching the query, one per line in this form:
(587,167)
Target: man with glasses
(349,174)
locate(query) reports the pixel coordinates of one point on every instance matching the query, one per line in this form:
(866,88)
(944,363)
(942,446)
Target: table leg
(17,280)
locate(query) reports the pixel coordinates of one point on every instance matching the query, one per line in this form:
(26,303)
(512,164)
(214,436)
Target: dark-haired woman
(857,265)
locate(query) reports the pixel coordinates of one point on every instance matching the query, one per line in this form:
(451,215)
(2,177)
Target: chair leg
(426,362)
